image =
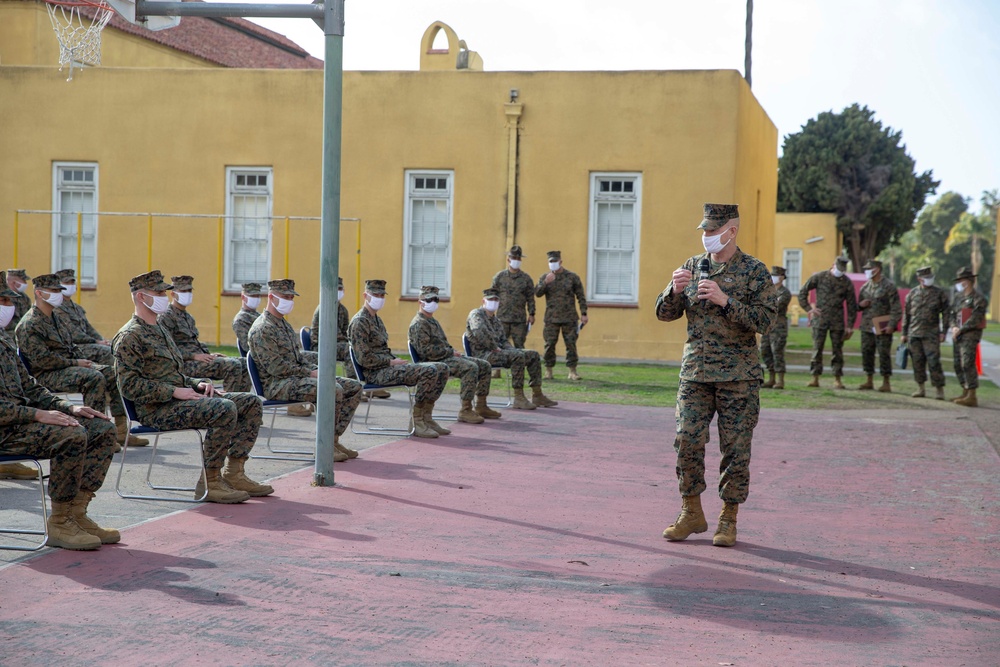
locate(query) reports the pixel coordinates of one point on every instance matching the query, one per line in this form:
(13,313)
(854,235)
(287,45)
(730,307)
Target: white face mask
(429,307)
(22,288)
(340,295)
(868,274)
(959,287)
(515,264)
(775,279)
(927,282)
(284,306)
(837,273)
(713,244)
(6,315)
(376,302)
(185,298)
(69,290)
(491,305)
(161,304)
(553,266)
(55,299)
(253,302)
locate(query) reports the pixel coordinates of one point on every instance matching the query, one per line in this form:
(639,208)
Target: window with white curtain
(74,200)
(792,261)
(248,226)
(427,225)
(613,263)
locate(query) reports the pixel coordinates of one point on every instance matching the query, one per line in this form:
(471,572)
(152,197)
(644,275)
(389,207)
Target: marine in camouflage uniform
(517,296)
(247,314)
(370,342)
(968,319)
(488,341)
(430,343)
(343,320)
(73,318)
(878,297)
(562,290)
(926,318)
(78,441)
(17,281)
(289,373)
(720,371)
(834,291)
(198,361)
(151,374)
(772,343)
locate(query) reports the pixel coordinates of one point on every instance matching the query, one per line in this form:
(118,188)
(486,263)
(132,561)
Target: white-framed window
(74,192)
(427,214)
(791,259)
(249,204)
(615,212)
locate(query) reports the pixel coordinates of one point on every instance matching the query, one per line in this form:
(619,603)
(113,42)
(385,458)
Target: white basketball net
(79,35)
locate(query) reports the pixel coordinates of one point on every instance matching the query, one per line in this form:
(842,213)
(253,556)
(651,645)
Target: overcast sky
(930,68)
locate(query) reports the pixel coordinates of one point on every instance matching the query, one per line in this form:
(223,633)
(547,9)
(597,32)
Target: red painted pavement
(869,539)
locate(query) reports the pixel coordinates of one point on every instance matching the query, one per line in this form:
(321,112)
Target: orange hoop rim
(98,4)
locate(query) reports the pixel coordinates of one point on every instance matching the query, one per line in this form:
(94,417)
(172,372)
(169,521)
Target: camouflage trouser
(872,343)
(429,378)
(738,406)
(96,352)
(233,422)
(231,370)
(927,352)
(516,360)
(819,332)
(517,332)
(80,455)
(98,384)
(305,390)
(344,356)
(473,372)
(550,334)
(772,348)
(965,359)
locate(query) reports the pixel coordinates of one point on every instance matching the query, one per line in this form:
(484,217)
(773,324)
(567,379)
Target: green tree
(849,164)
(979,233)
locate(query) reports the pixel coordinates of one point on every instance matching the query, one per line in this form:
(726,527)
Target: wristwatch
(729,303)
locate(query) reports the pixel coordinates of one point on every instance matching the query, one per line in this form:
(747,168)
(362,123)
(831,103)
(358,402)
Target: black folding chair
(368,386)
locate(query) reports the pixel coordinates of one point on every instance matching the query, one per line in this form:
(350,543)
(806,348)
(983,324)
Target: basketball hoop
(78,25)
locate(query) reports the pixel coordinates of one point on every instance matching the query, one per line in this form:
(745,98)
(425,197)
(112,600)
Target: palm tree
(976,230)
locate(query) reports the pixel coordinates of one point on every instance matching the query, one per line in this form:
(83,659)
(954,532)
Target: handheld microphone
(704,268)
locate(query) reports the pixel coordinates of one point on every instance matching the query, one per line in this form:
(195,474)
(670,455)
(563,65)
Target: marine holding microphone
(728,297)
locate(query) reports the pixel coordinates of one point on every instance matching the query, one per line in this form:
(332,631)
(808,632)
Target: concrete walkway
(870,538)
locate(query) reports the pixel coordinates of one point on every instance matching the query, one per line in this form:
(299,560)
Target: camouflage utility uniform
(561,296)
(150,367)
(80,455)
(285,368)
(517,295)
(720,371)
(884,299)
(181,327)
(73,318)
(370,342)
(46,346)
(488,341)
(430,343)
(926,319)
(970,332)
(772,343)
(832,294)
(242,322)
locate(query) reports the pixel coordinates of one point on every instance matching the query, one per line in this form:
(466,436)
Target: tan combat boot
(17,471)
(467,415)
(429,420)
(219,490)
(484,410)
(540,400)
(573,374)
(496,374)
(345,452)
(939,394)
(299,410)
(780,384)
(919,393)
(965,392)
(380,393)
(690,520)
(969,400)
(521,402)
(725,534)
(838,382)
(121,427)
(886,388)
(78,510)
(420,428)
(65,532)
(814,382)
(548,373)
(867,384)
(770,381)
(235,477)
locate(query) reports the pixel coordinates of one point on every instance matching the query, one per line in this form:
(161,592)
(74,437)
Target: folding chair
(305,335)
(367,386)
(44,532)
(243,350)
(467,346)
(272,406)
(416,359)
(135,428)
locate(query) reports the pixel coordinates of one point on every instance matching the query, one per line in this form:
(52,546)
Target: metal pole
(287,238)
(357,270)
(79,253)
(17,224)
(333,80)
(149,243)
(218,298)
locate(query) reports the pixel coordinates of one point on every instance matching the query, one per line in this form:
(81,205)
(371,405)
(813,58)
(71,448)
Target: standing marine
(834,293)
(562,290)
(926,318)
(772,343)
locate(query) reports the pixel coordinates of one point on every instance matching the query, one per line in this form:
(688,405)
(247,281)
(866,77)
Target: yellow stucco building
(804,243)
(445,168)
